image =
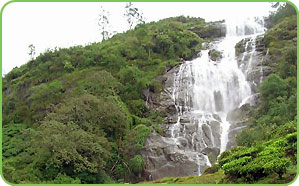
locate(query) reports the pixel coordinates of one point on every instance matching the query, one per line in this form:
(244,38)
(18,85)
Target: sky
(49,25)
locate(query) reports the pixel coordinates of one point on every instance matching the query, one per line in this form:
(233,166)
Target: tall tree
(103,23)
(31,51)
(280,10)
(133,15)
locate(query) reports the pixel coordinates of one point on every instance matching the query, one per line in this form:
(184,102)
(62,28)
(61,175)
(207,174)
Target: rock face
(253,59)
(166,159)
(163,102)
(238,119)
(187,153)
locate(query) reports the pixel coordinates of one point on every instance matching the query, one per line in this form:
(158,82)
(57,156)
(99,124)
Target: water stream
(205,91)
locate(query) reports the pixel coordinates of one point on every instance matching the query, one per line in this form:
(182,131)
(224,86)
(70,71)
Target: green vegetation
(284,10)
(203,179)
(79,115)
(214,54)
(257,161)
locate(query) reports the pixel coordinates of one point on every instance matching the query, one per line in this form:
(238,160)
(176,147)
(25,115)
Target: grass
(220,178)
(203,179)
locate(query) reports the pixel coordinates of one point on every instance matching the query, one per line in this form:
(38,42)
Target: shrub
(136,164)
(273,87)
(257,161)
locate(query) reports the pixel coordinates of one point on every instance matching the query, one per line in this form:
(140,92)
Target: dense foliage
(79,115)
(283,10)
(260,160)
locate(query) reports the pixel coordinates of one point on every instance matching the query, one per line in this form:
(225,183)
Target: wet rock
(240,114)
(163,102)
(215,116)
(210,170)
(207,135)
(240,47)
(254,64)
(185,119)
(156,161)
(234,115)
(213,150)
(183,142)
(164,158)
(239,119)
(216,131)
(191,127)
(170,109)
(173,170)
(257,74)
(171,119)
(215,125)
(232,135)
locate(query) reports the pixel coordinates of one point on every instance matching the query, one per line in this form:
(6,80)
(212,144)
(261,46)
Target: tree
(103,23)
(281,10)
(31,51)
(273,87)
(93,115)
(133,15)
(68,66)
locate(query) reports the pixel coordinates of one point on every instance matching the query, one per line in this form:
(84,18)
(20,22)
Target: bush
(215,55)
(137,107)
(292,138)
(135,140)
(136,164)
(273,87)
(64,179)
(256,162)
(248,137)
(282,12)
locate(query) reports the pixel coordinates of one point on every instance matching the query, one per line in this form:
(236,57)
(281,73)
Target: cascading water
(205,91)
(199,98)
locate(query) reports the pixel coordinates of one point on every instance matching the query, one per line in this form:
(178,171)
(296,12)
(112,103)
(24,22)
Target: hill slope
(81,112)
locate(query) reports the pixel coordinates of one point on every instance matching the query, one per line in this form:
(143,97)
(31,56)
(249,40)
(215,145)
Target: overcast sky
(49,25)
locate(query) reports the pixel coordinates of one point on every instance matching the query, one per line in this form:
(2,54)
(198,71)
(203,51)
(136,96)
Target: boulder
(209,150)
(164,158)
(233,132)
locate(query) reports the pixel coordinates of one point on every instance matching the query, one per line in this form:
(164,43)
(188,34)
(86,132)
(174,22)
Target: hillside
(81,112)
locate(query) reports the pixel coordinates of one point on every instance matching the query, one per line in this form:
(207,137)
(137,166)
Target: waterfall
(205,91)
